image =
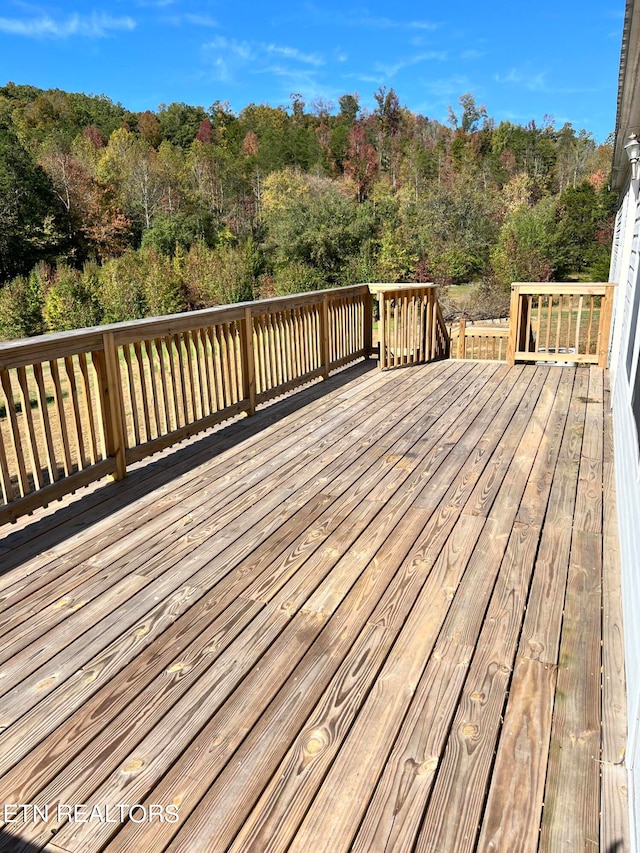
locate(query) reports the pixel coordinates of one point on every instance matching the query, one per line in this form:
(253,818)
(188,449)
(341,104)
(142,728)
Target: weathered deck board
(305,629)
(614,826)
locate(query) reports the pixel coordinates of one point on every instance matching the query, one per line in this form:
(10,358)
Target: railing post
(461,340)
(368,324)
(513,324)
(434,326)
(248,362)
(324,336)
(112,408)
(382,332)
(604,326)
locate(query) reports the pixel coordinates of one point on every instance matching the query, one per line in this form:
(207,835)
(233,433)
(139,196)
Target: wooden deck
(370,618)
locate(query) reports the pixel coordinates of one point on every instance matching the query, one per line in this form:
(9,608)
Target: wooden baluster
(143,390)
(5,477)
(178,406)
(197,357)
(590,326)
(286,332)
(308,338)
(549,312)
(43,406)
(89,416)
(325,333)
(132,395)
(271,355)
(559,322)
(264,357)
(569,319)
(295,342)
(32,443)
(205,363)
(179,345)
(422,345)
(193,392)
(160,370)
(153,386)
(58,402)
(216,378)
(225,356)
(316,345)
(396,323)
(578,321)
(277,347)
(77,418)
(16,440)
(344,307)
(435,349)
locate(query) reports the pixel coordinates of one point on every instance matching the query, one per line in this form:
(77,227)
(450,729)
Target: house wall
(625,376)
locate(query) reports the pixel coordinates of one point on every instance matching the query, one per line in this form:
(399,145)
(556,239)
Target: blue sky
(554,57)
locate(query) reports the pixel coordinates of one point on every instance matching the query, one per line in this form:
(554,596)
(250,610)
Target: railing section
(55,425)
(80,405)
(479,342)
(411,328)
(568,322)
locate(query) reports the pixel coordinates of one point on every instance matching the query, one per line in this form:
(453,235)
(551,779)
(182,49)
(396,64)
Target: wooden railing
(568,322)
(80,405)
(479,342)
(411,328)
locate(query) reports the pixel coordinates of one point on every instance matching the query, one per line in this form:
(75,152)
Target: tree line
(108,215)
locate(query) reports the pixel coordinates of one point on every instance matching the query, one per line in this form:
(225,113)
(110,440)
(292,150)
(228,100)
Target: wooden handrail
(480,342)
(560,321)
(87,403)
(411,329)
(79,405)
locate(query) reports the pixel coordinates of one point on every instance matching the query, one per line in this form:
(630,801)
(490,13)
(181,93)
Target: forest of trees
(109,215)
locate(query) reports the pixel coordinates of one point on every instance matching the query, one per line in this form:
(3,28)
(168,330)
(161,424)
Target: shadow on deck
(369,619)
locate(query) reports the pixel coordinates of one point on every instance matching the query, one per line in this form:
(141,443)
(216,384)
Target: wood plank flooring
(368,619)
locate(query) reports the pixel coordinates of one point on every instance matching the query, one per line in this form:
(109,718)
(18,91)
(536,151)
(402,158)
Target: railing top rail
(384,286)
(24,351)
(577,288)
(487,331)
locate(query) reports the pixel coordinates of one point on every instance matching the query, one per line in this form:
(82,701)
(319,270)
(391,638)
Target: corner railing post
(368,324)
(382,332)
(604,326)
(514,324)
(461,340)
(248,361)
(112,407)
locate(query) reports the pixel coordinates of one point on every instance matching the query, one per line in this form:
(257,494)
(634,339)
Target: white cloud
(392,70)
(533,82)
(90,26)
(294,53)
(233,55)
(364,19)
(538,83)
(472,54)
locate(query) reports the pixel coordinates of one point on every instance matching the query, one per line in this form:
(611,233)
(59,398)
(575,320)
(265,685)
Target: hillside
(107,214)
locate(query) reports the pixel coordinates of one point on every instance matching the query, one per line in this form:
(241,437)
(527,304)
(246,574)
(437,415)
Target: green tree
(525,250)
(29,210)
